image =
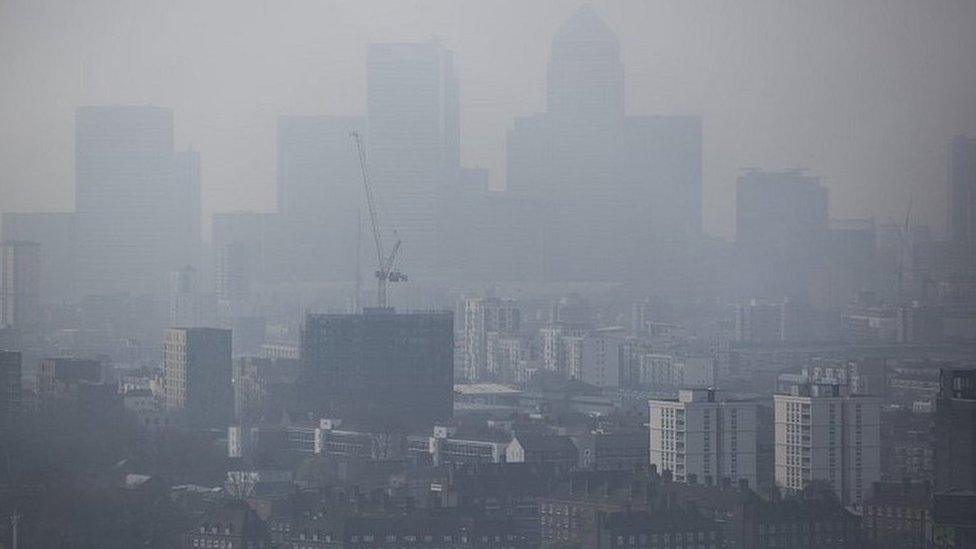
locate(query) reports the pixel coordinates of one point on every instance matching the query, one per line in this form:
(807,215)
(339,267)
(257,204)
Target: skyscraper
(137,200)
(704,439)
(379,367)
(198,374)
(19,277)
(962,193)
(822,434)
(413,133)
(781,223)
(610,190)
(319,196)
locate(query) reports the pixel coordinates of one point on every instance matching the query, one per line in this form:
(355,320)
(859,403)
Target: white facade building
(702,439)
(825,435)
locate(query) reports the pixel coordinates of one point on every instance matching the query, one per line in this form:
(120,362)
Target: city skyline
(915,62)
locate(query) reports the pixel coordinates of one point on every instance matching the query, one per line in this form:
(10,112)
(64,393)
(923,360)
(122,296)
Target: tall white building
(413,132)
(596,356)
(822,434)
(482,318)
(702,439)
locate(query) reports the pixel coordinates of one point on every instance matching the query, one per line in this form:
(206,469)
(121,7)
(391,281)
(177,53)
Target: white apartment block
(825,435)
(702,439)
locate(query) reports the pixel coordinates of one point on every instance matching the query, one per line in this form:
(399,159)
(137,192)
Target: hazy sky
(866,93)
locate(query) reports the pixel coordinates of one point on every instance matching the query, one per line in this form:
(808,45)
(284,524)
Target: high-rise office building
(704,439)
(137,200)
(55,232)
(483,317)
(823,434)
(19,278)
(781,223)
(379,367)
(10,389)
(962,193)
(198,374)
(319,194)
(955,431)
(610,190)
(413,133)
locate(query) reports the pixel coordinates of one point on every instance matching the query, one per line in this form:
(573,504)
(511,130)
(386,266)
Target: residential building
(379,367)
(485,318)
(198,375)
(824,434)
(701,438)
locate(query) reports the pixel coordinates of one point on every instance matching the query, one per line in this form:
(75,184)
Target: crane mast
(384,272)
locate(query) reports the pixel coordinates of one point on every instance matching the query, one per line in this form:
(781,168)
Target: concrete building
(198,374)
(137,200)
(413,134)
(701,438)
(485,318)
(54,375)
(380,367)
(596,357)
(11,396)
(824,434)
(20,305)
(955,431)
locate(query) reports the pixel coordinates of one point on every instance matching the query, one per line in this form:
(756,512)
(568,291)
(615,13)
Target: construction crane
(385,272)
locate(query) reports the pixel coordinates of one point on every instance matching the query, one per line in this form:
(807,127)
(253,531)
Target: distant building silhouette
(962,193)
(313,236)
(19,284)
(610,190)
(413,134)
(55,232)
(137,200)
